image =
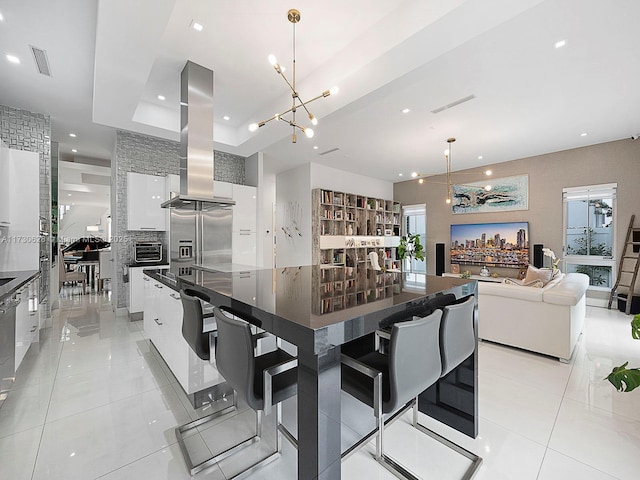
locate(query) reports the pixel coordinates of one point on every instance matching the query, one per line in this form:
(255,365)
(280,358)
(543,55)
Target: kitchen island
(291,304)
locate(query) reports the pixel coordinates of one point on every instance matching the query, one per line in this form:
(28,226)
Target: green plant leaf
(625,379)
(635,327)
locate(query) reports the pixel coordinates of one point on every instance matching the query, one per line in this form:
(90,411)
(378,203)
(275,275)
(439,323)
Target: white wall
(293,193)
(334,179)
(74,223)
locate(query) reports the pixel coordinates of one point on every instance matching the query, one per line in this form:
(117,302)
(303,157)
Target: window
(415,222)
(589,233)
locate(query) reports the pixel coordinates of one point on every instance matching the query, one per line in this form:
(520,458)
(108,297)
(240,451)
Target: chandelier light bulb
(421,180)
(448,200)
(488,173)
(414,174)
(334,90)
(314,120)
(488,188)
(253,127)
(309,132)
(446,152)
(272,60)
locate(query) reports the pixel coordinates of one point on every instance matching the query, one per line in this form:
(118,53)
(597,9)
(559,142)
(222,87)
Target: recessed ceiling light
(72,135)
(74,150)
(399,174)
(226,117)
(13,58)
(315,147)
(68,194)
(406,110)
(583,134)
(561,43)
(1,17)
(479,157)
(161,97)
(196,26)
(414,174)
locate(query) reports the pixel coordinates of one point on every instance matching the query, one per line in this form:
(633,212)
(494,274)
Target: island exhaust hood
(196,143)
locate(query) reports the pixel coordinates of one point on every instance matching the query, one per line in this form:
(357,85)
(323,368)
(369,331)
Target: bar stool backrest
(457,335)
(193,323)
(414,359)
(234,357)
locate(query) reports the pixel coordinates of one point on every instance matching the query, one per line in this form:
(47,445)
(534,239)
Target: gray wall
(151,156)
(548,174)
(24,130)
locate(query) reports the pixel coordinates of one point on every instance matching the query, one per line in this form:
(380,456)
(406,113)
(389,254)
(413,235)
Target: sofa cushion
(511,291)
(520,283)
(533,273)
(567,292)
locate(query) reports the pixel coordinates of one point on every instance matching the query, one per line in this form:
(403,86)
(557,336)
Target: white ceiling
(111,58)
(82,184)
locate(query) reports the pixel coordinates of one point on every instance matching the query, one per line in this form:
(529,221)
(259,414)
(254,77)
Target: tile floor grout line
(564,393)
(44,425)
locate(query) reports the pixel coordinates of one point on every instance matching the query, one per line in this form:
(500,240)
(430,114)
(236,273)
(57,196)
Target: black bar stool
(390,384)
(262,381)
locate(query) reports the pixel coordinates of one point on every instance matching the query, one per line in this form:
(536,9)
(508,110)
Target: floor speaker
(538,256)
(439,259)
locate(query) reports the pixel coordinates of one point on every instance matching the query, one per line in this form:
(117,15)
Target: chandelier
(293,16)
(449,184)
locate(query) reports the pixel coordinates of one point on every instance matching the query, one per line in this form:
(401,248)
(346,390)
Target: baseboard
(598,302)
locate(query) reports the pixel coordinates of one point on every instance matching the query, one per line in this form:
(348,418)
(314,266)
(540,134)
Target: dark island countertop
(18,279)
(147,264)
(289,301)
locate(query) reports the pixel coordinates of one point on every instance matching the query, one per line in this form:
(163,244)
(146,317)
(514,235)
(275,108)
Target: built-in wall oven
(147,252)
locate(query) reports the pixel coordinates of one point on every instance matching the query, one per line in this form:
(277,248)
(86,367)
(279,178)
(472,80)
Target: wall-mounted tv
(490,244)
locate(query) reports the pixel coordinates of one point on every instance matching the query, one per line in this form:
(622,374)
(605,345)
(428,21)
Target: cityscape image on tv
(490,244)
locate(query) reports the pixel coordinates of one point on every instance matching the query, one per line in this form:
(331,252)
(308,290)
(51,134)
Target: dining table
(293,304)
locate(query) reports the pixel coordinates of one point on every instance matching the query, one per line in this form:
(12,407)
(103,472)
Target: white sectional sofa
(545,320)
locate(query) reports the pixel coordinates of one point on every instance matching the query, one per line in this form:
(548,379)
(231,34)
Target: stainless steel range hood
(196,143)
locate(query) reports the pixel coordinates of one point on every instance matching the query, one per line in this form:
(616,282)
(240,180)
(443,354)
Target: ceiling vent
(329,151)
(453,104)
(42,62)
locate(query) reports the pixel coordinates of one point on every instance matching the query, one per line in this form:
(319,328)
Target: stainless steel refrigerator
(200,237)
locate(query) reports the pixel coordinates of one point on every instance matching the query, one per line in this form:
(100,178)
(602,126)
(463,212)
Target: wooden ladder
(630,260)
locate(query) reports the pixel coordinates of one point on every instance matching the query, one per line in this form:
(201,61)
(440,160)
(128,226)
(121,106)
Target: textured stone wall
(151,156)
(24,130)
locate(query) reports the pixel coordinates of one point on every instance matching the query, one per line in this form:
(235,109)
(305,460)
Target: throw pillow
(535,284)
(534,273)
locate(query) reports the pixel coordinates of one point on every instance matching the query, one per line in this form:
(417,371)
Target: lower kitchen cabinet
(136,287)
(162,322)
(27,320)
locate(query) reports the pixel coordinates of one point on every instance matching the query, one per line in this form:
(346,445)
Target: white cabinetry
(162,321)
(136,288)
(27,320)
(145,194)
(244,239)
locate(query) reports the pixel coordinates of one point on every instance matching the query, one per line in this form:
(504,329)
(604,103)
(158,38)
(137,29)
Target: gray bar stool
(201,343)
(390,384)
(262,381)
(457,342)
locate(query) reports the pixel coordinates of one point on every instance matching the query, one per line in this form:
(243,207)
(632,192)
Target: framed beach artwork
(509,193)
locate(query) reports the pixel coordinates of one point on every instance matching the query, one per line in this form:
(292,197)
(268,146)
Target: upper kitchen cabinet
(145,193)
(244,211)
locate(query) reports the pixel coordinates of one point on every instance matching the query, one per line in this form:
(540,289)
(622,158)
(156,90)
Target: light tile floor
(94,400)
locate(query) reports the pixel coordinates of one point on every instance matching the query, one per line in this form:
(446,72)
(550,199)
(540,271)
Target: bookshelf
(346,228)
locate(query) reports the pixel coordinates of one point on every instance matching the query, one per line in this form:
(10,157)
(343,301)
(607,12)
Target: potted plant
(411,247)
(623,378)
